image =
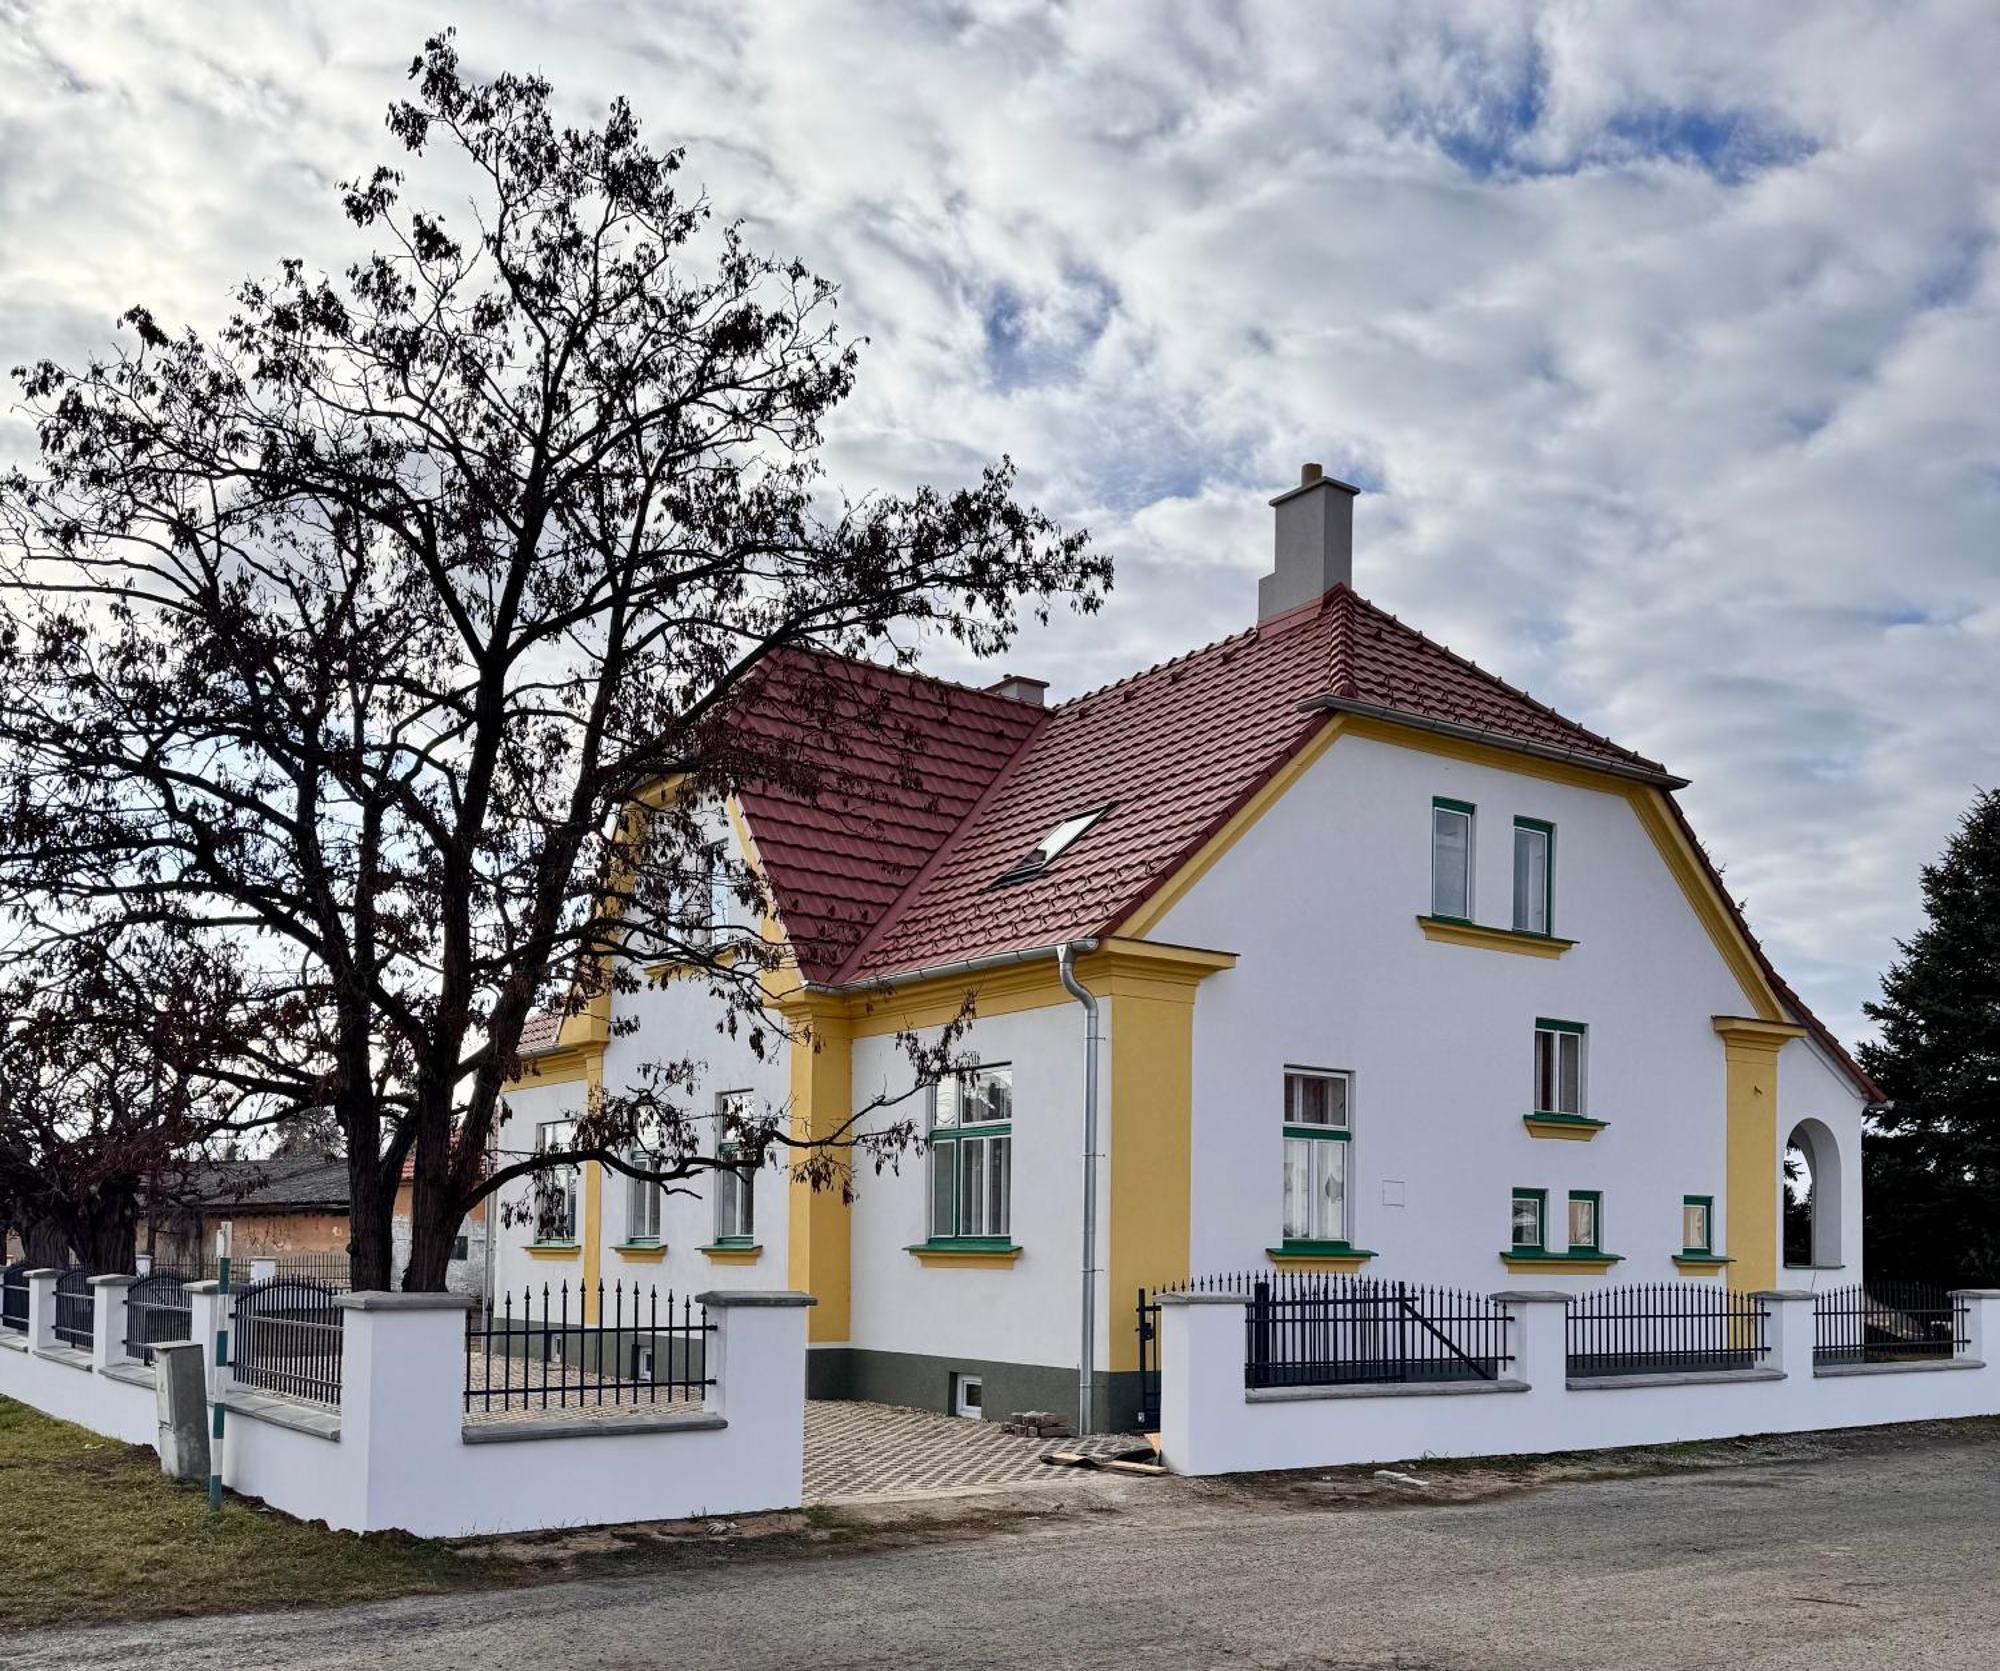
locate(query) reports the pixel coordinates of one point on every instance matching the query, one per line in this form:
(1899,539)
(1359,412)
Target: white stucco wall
(1321,897)
(1025,1313)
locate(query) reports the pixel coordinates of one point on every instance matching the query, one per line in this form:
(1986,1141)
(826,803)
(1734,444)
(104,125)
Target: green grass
(91,1530)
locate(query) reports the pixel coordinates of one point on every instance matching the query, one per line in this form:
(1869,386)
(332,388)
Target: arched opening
(1812,1197)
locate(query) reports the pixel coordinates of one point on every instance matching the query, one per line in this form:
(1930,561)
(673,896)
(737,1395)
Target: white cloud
(1668,332)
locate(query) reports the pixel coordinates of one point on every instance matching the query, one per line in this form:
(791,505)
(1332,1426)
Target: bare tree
(402,635)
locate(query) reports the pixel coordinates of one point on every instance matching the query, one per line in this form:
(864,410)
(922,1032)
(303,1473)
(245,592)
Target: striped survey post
(222,1241)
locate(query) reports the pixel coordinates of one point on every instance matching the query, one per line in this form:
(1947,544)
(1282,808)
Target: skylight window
(1067,832)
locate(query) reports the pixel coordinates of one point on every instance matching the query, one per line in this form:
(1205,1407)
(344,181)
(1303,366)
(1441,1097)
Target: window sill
(1702,1264)
(1524,1260)
(1451,931)
(1336,1257)
(1571,1128)
(651,1252)
(990,1252)
(732,1253)
(554,1250)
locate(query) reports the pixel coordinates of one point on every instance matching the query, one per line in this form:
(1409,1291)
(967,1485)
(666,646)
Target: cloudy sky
(1662,336)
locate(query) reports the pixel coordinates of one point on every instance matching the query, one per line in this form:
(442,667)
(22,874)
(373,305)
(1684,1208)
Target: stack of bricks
(1036,1424)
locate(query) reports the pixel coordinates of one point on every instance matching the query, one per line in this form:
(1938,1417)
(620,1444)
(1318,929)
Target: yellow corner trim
(1582,1264)
(1562,1129)
(1492,939)
(554,1250)
(986,1258)
(732,1255)
(646,1252)
(1340,1264)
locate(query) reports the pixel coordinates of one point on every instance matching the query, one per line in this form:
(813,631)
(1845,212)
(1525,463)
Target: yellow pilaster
(1149,1134)
(818,1257)
(1755,1160)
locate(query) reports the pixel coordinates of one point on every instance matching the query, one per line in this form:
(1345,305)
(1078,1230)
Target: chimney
(1018,687)
(1315,549)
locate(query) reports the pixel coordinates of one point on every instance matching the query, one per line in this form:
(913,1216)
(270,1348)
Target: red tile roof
(838,852)
(1178,749)
(894,872)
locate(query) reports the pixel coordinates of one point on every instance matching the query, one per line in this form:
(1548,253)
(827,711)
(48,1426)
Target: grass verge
(91,1531)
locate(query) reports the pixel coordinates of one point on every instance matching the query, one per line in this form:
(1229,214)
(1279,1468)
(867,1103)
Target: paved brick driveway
(870,1450)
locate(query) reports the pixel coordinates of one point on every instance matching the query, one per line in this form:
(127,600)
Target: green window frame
(1530,1228)
(1453,828)
(971,1141)
(735,1201)
(1561,1058)
(1705,1206)
(554,1190)
(1593,1201)
(1318,1135)
(1534,877)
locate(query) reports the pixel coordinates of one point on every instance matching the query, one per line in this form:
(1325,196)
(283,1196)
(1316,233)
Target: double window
(1452,830)
(972,1150)
(555,1186)
(1559,1086)
(1318,1131)
(735,1184)
(1530,1232)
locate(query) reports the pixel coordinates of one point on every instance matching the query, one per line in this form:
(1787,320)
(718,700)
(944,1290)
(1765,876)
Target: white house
(1372,963)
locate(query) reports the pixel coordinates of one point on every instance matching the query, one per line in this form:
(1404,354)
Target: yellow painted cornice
(1755,1033)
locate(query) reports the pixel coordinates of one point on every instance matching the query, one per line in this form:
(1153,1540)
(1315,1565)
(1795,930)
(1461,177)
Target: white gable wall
(1321,896)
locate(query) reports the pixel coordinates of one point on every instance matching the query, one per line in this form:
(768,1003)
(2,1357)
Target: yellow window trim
(554,1250)
(985,1258)
(649,1253)
(1338,1264)
(733,1255)
(1454,933)
(1579,1264)
(1568,1131)
(1703,1265)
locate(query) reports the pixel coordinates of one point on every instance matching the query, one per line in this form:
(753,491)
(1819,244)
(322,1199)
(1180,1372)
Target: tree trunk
(46,1245)
(371,1248)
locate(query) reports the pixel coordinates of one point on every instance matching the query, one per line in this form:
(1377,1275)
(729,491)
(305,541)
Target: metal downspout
(1092,1038)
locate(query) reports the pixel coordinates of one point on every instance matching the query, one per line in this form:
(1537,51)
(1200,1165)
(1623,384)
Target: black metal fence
(157,1310)
(329,1270)
(76,1309)
(1887,1322)
(14,1297)
(1306,1328)
(1329,1331)
(546,1349)
(1653,1328)
(285,1337)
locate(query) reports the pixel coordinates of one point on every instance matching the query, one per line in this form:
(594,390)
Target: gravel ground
(1870,1550)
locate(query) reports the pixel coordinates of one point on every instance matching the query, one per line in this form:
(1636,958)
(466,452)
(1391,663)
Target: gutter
(1493,739)
(1092,1039)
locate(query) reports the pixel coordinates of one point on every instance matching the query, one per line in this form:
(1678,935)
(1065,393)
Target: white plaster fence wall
(1210,1423)
(94,1389)
(398,1455)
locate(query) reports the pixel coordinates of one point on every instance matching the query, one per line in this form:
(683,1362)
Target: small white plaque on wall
(1392,1192)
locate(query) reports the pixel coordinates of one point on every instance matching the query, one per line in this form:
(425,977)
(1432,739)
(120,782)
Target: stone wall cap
(1783,1294)
(1203,1299)
(211,1286)
(1531,1296)
(377,1299)
(43,1270)
(722,1299)
(116,1279)
(1975,1293)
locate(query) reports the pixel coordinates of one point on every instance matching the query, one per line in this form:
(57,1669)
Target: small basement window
(968,1396)
(1051,847)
